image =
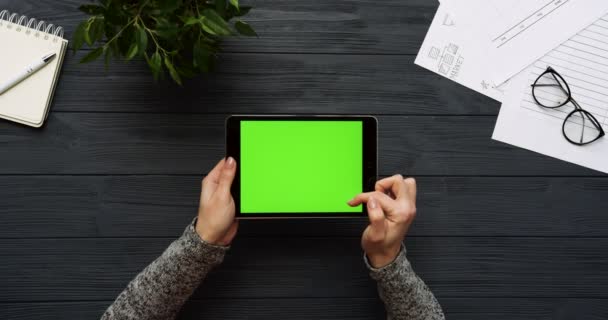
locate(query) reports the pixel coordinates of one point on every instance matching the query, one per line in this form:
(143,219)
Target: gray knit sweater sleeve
(161,289)
(404,294)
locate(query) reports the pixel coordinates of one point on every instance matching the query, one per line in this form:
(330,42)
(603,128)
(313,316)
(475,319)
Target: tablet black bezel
(370,161)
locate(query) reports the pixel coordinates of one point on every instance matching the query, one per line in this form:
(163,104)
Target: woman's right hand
(391,210)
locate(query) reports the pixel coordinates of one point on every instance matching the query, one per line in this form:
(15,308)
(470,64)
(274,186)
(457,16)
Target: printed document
(522,31)
(482,43)
(583,63)
(453,50)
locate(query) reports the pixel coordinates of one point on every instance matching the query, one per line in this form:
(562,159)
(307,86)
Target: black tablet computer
(301,166)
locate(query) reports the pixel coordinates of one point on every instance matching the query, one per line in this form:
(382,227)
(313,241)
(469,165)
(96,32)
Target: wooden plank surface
(110,143)
(98,269)
(338,26)
(92,197)
(330,308)
(273,83)
(161,206)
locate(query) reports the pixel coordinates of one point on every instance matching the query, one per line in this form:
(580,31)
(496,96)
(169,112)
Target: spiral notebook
(23,41)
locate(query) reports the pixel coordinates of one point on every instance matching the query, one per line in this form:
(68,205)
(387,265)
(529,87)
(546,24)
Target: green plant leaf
(92,55)
(125,39)
(78,38)
(87,30)
(132,52)
(214,24)
(178,36)
(168,6)
(245,29)
(97,29)
(191,21)
(243,10)
(92,9)
(115,14)
(157,61)
(154,63)
(93,30)
(142,40)
(166,29)
(172,72)
(200,54)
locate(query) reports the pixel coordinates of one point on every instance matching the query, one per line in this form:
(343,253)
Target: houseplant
(181,37)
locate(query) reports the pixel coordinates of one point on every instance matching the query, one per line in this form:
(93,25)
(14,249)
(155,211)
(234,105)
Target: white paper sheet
(583,62)
(452,48)
(525,30)
(519,32)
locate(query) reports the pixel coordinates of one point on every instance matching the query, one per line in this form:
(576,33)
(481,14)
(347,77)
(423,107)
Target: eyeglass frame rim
(577,107)
(553,73)
(592,118)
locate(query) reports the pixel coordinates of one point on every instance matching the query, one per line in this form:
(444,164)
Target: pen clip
(48,57)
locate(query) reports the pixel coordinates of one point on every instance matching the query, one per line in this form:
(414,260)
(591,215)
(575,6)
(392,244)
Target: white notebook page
(28,101)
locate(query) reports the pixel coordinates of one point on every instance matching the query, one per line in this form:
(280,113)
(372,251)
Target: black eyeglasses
(551,91)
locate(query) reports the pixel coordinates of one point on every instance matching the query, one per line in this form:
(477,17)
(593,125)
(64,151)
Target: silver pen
(28,71)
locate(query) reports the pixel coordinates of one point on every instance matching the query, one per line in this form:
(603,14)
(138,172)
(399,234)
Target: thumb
(376,228)
(227,176)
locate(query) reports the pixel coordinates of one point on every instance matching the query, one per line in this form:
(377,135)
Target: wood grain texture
(53,310)
(90,199)
(98,269)
(330,308)
(339,26)
(272,83)
(84,143)
(160,206)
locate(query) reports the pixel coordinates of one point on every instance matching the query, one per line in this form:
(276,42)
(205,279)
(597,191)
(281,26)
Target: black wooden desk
(90,199)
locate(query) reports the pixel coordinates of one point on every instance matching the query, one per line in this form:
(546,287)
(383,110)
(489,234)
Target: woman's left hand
(216,223)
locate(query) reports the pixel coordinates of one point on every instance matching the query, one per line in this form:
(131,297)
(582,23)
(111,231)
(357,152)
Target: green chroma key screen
(297,166)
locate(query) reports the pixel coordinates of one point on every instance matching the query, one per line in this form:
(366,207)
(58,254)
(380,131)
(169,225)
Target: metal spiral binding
(31,26)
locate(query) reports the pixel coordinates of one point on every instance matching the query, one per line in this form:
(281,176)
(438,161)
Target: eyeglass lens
(580,127)
(551,91)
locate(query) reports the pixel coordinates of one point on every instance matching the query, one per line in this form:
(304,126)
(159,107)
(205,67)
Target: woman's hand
(391,210)
(216,223)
